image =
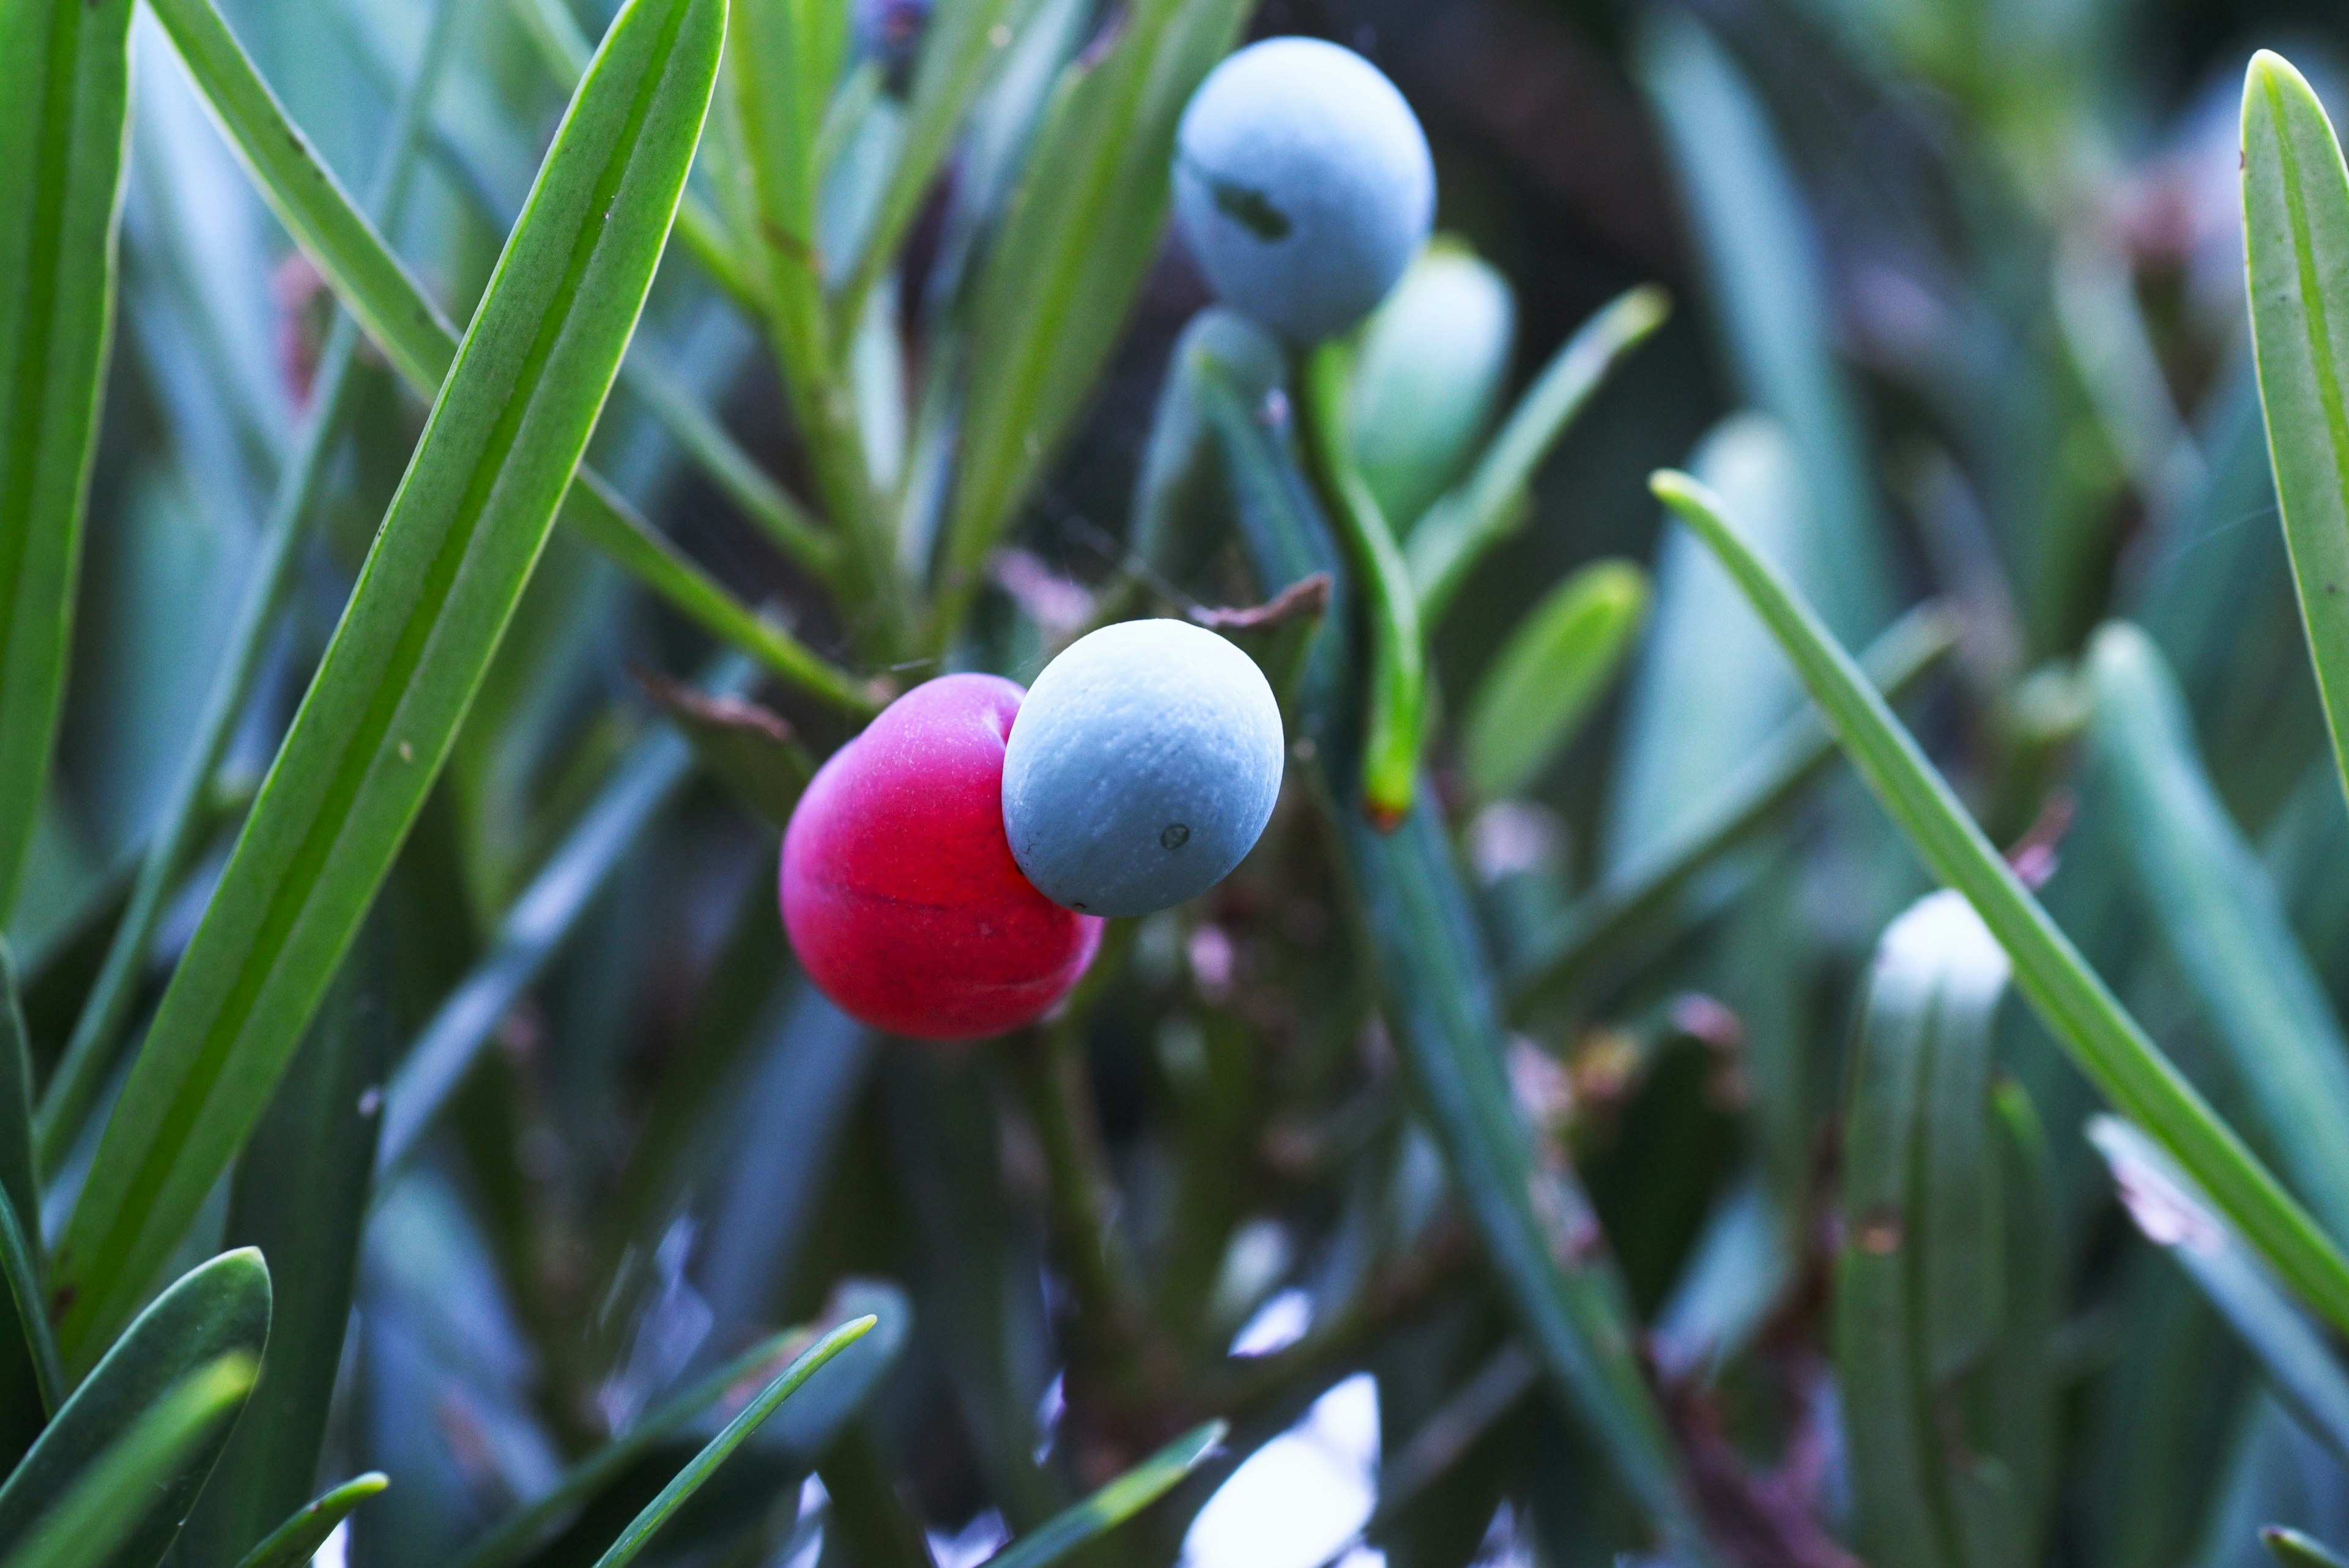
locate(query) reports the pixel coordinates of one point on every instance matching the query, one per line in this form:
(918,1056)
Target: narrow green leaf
(2204,889)
(1443,1013)
(2293,1549)
(64,106)
(217,1310)
(567,51)
(514,1538)
(747,748)
(868,1519)
(2081,1013)
(528,938)
(963,43)
(299,1197)
(295,1542)
(447,568)
(1786,765)
(1060,277)
(2296,245)
(20,1180)
(744,483)
(2301,1364)
(703,1464)
(87,1524)
(20,1260)
(1747,216)
(1113,1504)
(1918,1281)
(1489,505)
(1398,686)
(785,58)
(2021,1413)
(90,1055)
(1428,371)
(1182,504)
(369,280)
(1543,682)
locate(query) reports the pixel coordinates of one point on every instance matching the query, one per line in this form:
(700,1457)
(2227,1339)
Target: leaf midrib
(2312,292)
(36,336)
(293,893)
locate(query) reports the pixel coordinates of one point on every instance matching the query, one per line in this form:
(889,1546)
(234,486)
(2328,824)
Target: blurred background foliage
(1959,317)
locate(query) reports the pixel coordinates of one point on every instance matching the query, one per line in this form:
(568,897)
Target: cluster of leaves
(402,1076)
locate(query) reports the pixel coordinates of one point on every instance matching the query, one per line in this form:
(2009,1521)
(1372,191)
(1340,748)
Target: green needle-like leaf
(2296,249)
(401,318)
(1554,666)
(85,1525)
(1919,1283)
(1075,246)
(1490,503)
(1113,1504)
(295,1542)
(63,109)
(2305,1368)
(20,1197)
(90,1058)
(962,44)
(1444,1011)
(1398,690)
(453,556)
(2293,1549)
(738,1431)
(220,1309)
(1789,762)
(528,937)
(2083,1015)
(522,1533)
(2204,889)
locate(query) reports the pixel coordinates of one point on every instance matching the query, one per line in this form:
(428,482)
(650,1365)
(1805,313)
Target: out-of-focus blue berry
(1302,184)
(891,30)
(1141,768)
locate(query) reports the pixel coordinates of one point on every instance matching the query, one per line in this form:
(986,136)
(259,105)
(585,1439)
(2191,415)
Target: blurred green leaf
(64,104)
(215,1312)
(1182,502)
(2083,1015)
(430,1071)
(1427,373)
(369,280)
(86,1525)
(1919,1282)
(20,1207)
(1776,772)
(1541,685)
(2294,1549)
(295,1542)
(689,1479)
(1442,1010)
(2302,1367)
(963,43)
(1113,1504)
(1490,503)
(1063,273)
(1770,301)
(451,559)
(2204,889)
(89,1054)
(299,1197)
(746,747)
(2296,244)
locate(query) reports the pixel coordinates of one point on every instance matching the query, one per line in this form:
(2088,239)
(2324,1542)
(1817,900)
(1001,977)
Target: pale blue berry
(1303,186)
(1141,768)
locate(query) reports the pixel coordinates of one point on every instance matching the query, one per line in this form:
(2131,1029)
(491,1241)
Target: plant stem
(1398,684)
(1080,1194)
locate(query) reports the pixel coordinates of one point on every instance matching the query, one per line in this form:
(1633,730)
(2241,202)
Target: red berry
(899,890)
